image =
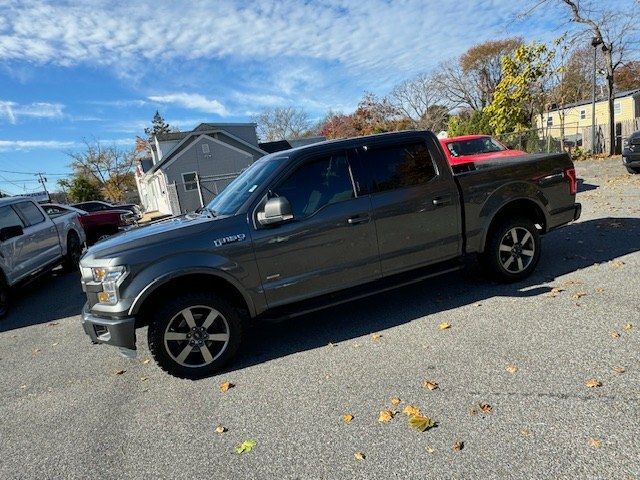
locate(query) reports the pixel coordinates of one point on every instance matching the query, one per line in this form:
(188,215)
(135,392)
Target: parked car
(631,153)
(97,225)
(469,149)
(316,226)
(32,243)
(99,206)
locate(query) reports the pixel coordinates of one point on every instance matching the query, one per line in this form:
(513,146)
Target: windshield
(475,146)
(237,192)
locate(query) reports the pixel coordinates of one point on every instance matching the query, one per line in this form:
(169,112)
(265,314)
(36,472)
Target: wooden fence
(623,130)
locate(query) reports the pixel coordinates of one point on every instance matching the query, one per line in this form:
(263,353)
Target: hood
(485,156)
(147,235)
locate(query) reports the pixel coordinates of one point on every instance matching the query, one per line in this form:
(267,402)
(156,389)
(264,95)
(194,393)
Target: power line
(37,173)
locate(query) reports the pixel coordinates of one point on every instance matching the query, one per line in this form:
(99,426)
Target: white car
(31,243)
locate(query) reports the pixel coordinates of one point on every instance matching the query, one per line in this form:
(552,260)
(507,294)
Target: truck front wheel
(512,250)
(194,334)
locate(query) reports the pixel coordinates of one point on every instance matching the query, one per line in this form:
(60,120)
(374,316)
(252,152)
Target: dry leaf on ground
(119,372)
(553,293)
(617,264)
(627,327)
(411,410)
(52,324)
(458,446)
(444,326)
(395,400)
(485,407)
(221,429)
(579,295)
(429,385)
(593,383)
(595,443)
(144,379)
(615,334)
(422,423)
(376,336)
(347,418)
(331,344)
(226,386)
(619,369)
(430,449)
(385,416)
(511,369)
(146,360)
(600,290)
(245,446)
(359,456)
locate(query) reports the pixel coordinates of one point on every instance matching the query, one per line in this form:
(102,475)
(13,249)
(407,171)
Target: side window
(52,211)
(9,217)
(189,180)
(399,166)
(30,212)
(317,183)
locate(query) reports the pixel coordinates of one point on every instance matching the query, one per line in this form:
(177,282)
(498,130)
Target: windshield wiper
(210,211)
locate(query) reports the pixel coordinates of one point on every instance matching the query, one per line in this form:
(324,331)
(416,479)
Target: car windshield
(474,146)
(237,192)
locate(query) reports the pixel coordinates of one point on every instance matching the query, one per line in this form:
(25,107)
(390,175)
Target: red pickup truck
(475,148)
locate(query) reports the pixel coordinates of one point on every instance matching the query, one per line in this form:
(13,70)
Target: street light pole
(595,41)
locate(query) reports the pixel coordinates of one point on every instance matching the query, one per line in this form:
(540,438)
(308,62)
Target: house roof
(203,127)
(626,93)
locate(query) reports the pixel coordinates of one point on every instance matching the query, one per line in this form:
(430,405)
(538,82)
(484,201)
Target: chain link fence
(556,139)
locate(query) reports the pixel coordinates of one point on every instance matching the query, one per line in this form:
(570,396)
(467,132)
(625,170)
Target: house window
(205,148)
(617,108)
(549,121)
(189,180)
(583,114)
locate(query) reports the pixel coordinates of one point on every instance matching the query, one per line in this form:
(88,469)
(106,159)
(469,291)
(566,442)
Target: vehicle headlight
(110,278)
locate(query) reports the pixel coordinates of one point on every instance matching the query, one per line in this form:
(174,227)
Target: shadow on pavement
(571,248)
(585,187)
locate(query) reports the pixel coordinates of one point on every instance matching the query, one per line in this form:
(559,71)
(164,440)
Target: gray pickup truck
(32,243)
(315,226)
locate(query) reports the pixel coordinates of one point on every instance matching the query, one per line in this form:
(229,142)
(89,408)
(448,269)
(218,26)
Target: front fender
(157,274)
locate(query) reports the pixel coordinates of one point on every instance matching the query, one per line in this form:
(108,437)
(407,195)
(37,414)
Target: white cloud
(15,145)
(12,111)
(192,101)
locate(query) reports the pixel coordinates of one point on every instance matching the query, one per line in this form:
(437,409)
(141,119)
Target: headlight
(109,277)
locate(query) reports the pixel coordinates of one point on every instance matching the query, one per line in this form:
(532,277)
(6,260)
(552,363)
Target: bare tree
(421,101)
(617,30)
(282,123)
(109,166)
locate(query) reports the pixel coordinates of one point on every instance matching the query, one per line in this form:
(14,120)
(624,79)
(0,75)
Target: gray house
(187,169)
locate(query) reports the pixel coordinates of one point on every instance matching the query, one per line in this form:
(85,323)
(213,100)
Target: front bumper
(116,331)
(631,159)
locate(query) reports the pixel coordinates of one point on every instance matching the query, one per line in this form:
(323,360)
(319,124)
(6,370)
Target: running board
(384,284)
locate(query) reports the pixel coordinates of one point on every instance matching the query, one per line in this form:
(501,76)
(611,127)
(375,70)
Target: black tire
(4,298)
(74,252)
(170,319)
(515,264)
(633,170)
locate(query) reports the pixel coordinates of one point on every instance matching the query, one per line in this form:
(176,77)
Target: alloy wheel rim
(196,336)
(517,250)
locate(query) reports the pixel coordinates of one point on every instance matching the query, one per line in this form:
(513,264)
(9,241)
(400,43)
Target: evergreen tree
(158,126)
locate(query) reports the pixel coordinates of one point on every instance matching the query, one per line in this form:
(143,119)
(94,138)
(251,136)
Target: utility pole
(595,41)
(43,181)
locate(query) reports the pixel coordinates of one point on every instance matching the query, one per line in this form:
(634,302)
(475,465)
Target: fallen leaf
(458,446)
(430,385)
(55,344)
(347,418)
(593,383)
(119,372)
(356,345)
(221,429)
(422,423)
(615,334)
(599,290)
(511,369)
(395,400)
(444,326)
(36,350)
(627,326)
(359,456)
(577,296)
(617,264)
(52,324)
(595,443)
(525,432)
(553,293)
(385,416)
(411,410)
(331,344)
(23,386)
(485,407)
(245,446)
(144,379)
(430,449)
(226,386)
(146,360)
(619,369)
(473,411)
(376,336)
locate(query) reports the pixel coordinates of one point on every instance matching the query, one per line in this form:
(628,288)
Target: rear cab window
(30,213)
(9,217)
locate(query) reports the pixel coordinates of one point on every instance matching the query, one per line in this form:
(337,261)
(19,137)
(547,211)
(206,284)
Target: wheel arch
(520,207)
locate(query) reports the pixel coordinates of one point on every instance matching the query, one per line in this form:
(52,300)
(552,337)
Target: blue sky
(98,70)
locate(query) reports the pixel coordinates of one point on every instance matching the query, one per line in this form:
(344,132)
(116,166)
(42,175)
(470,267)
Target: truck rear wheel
(194,334)
(74,252)
(633,169)
(512,251)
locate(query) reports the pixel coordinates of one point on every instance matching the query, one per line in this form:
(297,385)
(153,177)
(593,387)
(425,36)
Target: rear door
(415,206)
(14,252)
(42,233)
(329,245)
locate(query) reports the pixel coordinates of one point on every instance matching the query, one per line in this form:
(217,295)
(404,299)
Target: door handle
(441,201)
(356,220)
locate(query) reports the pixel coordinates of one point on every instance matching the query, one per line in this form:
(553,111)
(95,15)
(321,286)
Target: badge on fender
(218,242)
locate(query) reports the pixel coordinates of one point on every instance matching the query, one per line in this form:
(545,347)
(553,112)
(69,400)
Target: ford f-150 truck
(32,243)
(315,226)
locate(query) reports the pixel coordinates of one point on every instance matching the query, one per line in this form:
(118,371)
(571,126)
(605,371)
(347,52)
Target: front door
(329,245)
(43,240)
(415,208)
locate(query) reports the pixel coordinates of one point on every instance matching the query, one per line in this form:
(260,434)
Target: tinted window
(52,211)
(316,184)
(91,206)
(399,166)
(30,212)
(9,218)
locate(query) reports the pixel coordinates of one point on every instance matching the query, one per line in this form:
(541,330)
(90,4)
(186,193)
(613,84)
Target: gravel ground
(72,410)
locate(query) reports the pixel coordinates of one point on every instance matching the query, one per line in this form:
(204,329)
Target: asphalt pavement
(69,409)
